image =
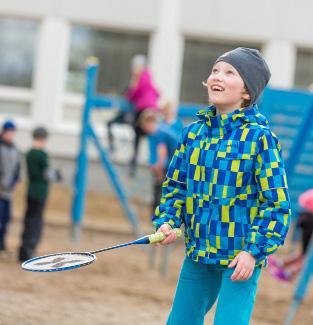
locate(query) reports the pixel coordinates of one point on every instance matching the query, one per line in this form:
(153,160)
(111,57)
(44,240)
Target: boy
(39,174)
(162,144)
(227,184)
(9,175)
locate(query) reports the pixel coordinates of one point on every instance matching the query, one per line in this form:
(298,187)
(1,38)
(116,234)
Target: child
(162,145)
(39,174)
(9,175)
(141,94)
(288,268)
(227,184)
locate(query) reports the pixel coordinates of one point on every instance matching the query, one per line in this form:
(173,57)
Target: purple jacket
(144,94)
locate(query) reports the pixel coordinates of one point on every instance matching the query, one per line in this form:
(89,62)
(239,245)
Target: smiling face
(226,88)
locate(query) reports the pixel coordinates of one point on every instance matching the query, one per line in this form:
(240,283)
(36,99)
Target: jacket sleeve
(270,226)
(17,173)
(173,200)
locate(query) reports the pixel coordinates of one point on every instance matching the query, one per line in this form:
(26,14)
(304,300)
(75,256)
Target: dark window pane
(304,69)
(199,57)
(17,49)
(114,51)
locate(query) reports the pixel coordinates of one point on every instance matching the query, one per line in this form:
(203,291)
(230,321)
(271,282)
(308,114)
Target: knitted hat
(40,133)
(252,68)
(139,60)
(8,125)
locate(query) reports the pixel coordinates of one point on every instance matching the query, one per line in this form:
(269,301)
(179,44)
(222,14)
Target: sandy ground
(120,288)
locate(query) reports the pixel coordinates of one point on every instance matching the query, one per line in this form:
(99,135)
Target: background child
(287,268)
(39,174)
(9,175)
(227,184)
(162,144)
(142,94)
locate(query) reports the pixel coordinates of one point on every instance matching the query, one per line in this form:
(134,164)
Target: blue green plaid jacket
(227,184)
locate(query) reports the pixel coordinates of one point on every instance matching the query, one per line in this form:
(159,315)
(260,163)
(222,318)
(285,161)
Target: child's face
(150,127)
(137,69)
(40,143)
(8,136)
(226,88)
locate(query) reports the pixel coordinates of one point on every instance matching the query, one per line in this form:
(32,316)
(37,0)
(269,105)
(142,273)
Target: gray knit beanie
(252,68)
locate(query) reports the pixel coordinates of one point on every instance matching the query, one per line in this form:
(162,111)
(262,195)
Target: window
(199,57)
(304,69)
(113,49)
(17,52)
(17,44)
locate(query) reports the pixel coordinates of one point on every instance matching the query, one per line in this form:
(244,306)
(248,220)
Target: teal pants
(198,288)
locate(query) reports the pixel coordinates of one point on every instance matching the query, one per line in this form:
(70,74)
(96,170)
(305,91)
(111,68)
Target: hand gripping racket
(67,261)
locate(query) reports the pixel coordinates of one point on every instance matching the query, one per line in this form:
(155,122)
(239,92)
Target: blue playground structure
(290,114)
(95,101)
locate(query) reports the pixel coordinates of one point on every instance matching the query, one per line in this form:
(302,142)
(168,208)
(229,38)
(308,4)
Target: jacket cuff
(166,220)
(254,250)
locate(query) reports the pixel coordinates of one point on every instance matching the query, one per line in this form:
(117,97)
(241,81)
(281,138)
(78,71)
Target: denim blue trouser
(5,214)
(199,286)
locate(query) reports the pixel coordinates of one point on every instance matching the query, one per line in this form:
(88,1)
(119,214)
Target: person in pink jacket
(142,94)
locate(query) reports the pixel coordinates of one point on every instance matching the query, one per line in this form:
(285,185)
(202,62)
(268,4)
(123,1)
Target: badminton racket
(71,260)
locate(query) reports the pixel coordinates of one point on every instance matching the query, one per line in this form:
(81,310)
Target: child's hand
(245,264)
(169,233)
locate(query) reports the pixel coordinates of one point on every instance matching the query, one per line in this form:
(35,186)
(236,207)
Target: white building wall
(50,70)
(279,26)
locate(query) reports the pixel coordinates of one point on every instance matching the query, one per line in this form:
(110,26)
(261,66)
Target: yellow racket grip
(159,236)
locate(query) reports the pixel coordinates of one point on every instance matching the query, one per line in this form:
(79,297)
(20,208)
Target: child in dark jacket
(227,184)
(39,174)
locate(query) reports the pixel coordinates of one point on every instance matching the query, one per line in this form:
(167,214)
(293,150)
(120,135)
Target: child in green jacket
(39,175)
(227,184)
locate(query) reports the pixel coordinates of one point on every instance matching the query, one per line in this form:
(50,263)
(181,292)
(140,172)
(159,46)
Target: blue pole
(80,181)
(115,182)
(94,101)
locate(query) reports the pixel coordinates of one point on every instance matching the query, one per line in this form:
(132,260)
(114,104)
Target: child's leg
(307,231)
(294,269)
(196,292)
(236,299)
(32,227)
(5,212)
(139,133)
(37,224)
(119,119)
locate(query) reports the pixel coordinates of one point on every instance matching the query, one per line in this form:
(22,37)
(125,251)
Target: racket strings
(58,262)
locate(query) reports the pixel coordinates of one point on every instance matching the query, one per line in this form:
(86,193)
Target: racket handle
(159,236)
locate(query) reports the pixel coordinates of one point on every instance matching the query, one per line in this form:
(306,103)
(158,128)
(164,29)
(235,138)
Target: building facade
(44,45)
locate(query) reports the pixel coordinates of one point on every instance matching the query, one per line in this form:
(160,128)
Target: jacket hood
(224,123)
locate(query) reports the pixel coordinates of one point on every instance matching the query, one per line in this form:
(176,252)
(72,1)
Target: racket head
(58,262)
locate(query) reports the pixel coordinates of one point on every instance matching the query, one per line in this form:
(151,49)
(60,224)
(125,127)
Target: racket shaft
(149,239)
(111,247)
